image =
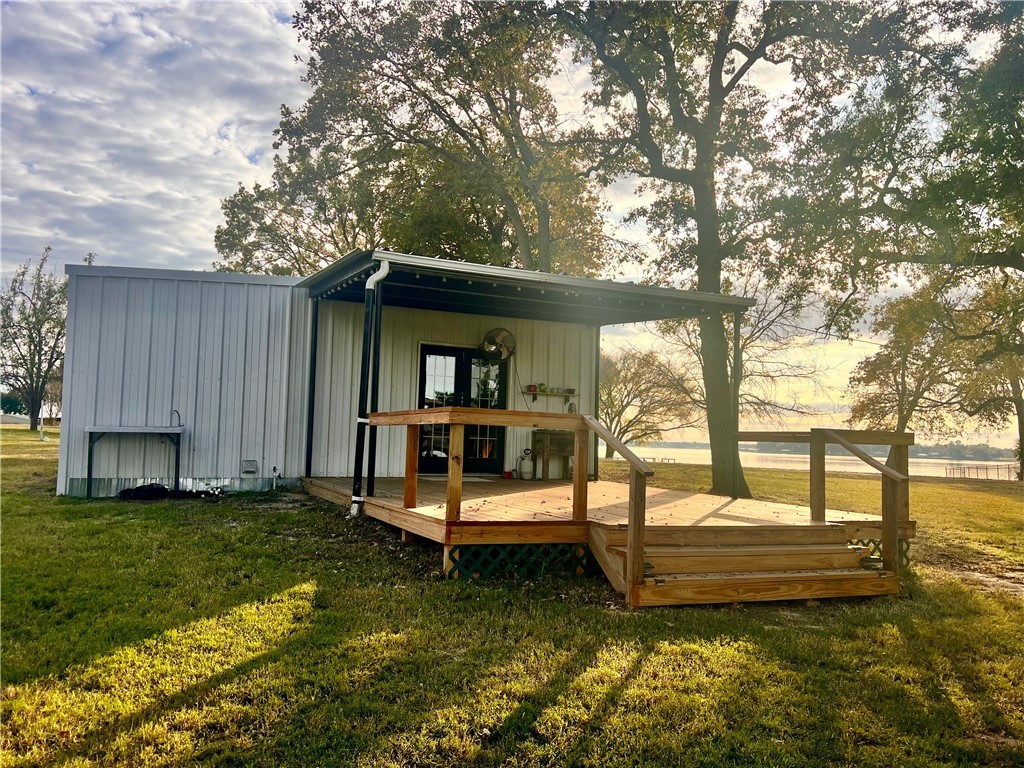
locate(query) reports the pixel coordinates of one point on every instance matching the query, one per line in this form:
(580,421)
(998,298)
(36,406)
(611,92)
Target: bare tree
(33,315)
(769,335)
(643,394)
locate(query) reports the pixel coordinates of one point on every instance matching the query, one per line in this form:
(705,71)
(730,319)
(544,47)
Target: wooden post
(579,476)
(412,444)
(892,490)
(453,504)
(635,535)
(817,476)
(899,456)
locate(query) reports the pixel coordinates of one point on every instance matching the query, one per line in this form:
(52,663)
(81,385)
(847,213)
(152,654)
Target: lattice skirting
(875,549)
(485,561)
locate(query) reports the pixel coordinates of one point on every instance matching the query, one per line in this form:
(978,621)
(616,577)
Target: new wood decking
(700,548)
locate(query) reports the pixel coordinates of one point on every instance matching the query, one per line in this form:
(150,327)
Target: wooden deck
(770,550)
(525,508)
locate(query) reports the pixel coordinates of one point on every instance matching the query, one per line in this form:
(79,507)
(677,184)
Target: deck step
(792,557)
(756,586)
(732,535)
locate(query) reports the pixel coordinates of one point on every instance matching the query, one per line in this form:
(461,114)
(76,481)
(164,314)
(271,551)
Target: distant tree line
(955,450)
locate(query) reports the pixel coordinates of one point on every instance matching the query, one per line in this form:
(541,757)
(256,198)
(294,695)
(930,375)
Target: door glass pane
(438,392)
(483,384)
(439,389)
(482,442)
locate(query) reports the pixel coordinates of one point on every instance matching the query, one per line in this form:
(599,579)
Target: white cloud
(124,124)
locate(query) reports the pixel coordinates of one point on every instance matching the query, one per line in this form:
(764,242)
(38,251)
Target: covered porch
(656,546)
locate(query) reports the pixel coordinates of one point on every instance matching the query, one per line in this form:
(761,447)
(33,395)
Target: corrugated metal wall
(558,354)
(214,347)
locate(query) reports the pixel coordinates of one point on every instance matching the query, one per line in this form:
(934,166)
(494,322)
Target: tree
(770,340)
(988,324)
(317,209)
(11,403)
(33,313)
(955,349)
(919,166)
(54,396)
(466,85)
(911,380)
(674,80)
(643,394)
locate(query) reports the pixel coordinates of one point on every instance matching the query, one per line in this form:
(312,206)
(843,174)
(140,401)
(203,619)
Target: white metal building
(259,376)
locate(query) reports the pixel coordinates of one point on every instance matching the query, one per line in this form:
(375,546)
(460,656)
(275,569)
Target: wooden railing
(895,478)
(459,418)
(639,471)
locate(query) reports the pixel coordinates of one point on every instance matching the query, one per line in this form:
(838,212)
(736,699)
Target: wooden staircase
(693,565)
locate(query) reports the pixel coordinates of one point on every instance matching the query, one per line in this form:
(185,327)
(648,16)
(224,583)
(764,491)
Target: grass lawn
(272,631)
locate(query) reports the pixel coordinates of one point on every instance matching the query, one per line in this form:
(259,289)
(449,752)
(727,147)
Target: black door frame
(464,357)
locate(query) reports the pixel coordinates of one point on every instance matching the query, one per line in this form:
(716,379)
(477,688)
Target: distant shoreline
(971,453)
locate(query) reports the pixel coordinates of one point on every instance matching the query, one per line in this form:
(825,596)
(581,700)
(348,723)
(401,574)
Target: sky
(124,124)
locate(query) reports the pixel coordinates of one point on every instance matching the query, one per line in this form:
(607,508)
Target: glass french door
(461,377)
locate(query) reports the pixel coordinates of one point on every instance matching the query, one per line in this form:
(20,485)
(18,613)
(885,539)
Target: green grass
(273,631)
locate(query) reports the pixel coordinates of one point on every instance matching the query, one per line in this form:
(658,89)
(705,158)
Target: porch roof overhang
(422,282)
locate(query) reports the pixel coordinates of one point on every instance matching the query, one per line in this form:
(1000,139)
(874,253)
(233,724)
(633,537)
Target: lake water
(918,467)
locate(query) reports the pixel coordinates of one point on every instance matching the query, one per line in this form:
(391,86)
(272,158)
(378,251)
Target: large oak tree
(682,85)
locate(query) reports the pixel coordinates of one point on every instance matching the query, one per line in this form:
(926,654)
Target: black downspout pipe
(371,459)
(310,406)
(597,396)
(369,301)
(737,377)
(361,412)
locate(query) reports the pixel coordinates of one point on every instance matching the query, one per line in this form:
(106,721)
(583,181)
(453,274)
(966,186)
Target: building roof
(149,273)
(422,282)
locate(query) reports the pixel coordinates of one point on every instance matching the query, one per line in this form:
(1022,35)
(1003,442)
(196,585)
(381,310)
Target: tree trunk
(35,404)
(1018,406)
(609,452)
(726,471)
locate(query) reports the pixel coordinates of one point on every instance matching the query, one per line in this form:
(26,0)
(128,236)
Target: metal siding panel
(275,414)
(256,348)
(162,346)
(135,381)
(298,383)
(205,442)
(110,372)
(229,451)
(89,317)
(185,388)
(68,388)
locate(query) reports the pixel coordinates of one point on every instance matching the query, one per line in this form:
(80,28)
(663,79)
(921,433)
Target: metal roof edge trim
(506,274)
(329,276)
(85,270)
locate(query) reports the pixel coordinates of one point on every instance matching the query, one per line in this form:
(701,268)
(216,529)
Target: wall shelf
(566,396)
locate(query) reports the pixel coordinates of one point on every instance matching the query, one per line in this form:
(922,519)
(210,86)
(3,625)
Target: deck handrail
(605,434)
(636,527)
(458,418)
(895,479)
(867,459)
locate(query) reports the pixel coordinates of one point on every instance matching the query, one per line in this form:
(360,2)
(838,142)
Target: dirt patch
(1008,581)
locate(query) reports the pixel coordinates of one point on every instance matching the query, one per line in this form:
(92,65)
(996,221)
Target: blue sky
(125,123)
